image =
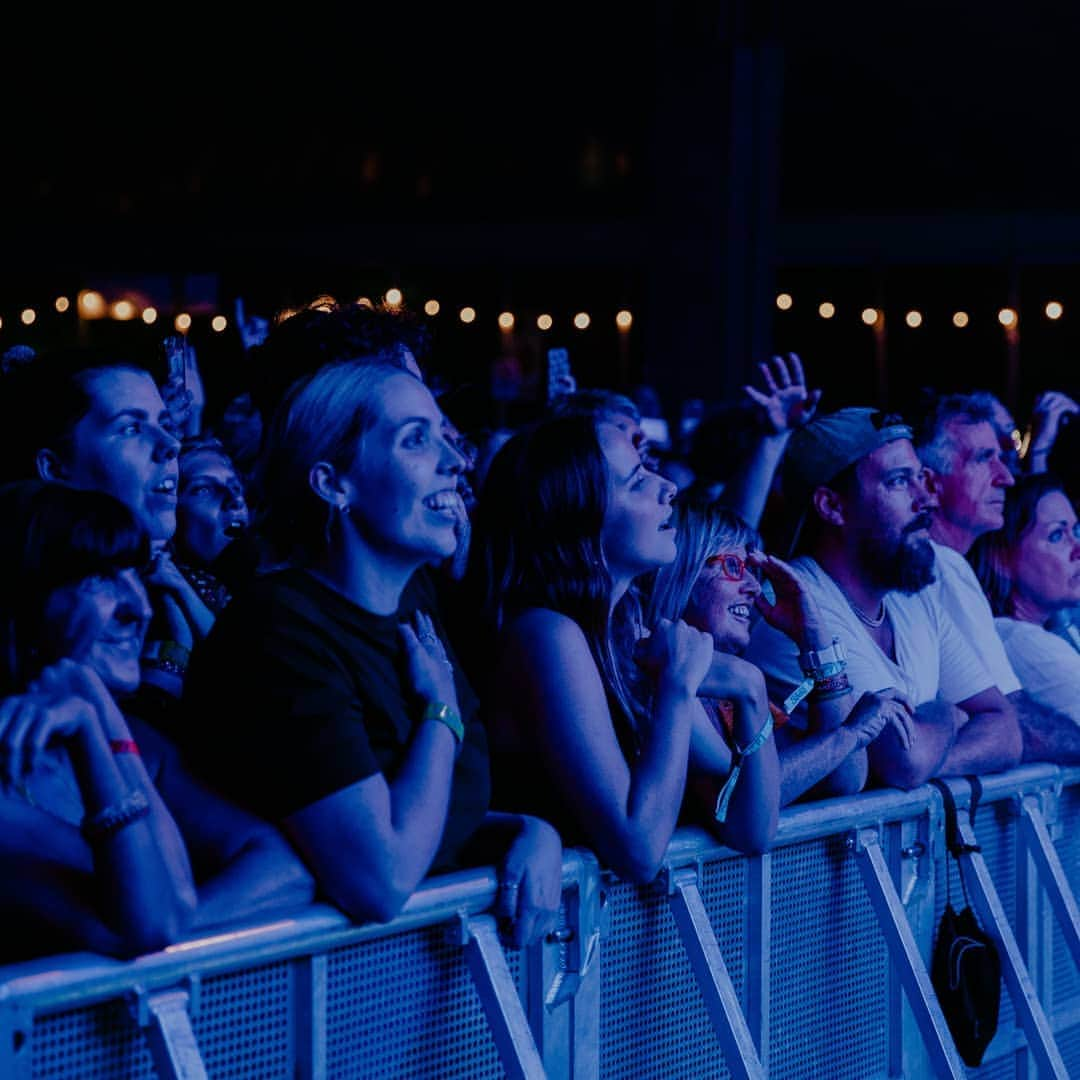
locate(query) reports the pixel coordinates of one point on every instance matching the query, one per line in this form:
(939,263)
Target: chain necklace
(874,623)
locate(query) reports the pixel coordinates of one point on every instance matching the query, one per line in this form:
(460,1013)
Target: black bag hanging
(966,968)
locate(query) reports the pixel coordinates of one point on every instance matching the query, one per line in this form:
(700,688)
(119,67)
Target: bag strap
(956,846)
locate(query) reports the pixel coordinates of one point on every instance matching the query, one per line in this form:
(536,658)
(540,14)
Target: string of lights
(1008,317)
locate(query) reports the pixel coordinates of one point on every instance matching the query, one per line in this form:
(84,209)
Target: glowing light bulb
(91,304)
(826,310)
(1054,310)
(149,315)
(623,320)
(182,321)
(393,297)
(1007,317)
(467,314)
(431,308)
(582,320)
(506,320)
(28,316)
(123,310)
(218,323)
(784,301)
(543,322)
(869,316)
(960,319)
(62,304)
(913,319)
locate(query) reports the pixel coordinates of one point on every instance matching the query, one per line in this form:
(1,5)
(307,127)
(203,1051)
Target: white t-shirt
(932,657)
(1049,668)
(960,593)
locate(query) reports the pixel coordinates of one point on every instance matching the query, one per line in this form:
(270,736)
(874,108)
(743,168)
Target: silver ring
(509,886)
(429,639)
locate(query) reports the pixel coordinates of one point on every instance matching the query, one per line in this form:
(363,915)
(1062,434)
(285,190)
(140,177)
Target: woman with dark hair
(1030,570)
(325,697)
(99,813)
(594,722)
(715,584)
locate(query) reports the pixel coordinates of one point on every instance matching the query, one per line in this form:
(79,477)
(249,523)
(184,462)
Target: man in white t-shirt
(867,559)
(969,476)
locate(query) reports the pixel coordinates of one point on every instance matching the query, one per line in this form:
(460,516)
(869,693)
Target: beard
(905,565)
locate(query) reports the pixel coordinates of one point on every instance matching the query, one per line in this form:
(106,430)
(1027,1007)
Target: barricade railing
(807,960)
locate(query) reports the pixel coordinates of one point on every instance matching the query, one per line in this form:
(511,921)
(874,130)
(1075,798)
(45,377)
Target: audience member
(1030,569)
(569,517)
(969,477)
(99,810)
(714,584)
(325,697)
(866,514)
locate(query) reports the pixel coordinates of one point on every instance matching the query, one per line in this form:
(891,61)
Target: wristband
(124,746)
(166,656)
(832,687)
(443,714)
(821,663)
(737,758)
(115,816)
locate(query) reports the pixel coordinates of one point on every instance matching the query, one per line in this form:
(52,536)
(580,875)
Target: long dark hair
(990,554)
(536,543)
(51,536)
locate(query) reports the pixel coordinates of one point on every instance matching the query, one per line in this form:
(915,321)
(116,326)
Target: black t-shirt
(297,693)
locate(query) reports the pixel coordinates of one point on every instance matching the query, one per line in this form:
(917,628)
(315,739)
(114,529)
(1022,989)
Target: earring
(345,508)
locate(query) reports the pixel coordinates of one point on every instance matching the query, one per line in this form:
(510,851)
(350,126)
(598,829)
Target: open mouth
(740,611)
(166,487)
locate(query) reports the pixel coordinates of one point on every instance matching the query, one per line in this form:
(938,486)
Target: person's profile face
(1046,559)
(122,447)
(972,493)
(101,622)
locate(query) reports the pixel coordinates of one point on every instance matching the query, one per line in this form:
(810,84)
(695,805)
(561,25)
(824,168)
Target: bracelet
(737,758)
(831,687)
(443,714)
(115,816)
(124,746)
(796,695)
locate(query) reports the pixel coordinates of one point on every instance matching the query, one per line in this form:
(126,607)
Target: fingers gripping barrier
(806,961)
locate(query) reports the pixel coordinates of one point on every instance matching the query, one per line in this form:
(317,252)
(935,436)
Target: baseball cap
(819,451)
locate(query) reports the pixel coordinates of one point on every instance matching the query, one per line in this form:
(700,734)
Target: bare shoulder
(543,632)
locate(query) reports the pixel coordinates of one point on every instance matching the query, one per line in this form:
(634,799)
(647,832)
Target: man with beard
(969,476)
(863,533)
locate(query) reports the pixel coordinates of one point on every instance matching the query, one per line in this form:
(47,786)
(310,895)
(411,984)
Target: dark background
(686,161)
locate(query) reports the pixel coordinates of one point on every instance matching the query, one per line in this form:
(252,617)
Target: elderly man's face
(889,515)
(972,492)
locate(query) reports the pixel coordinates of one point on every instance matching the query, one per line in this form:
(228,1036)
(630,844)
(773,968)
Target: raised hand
(795,612)
(430,670)
(252,328)
(785,404)
(1050,410)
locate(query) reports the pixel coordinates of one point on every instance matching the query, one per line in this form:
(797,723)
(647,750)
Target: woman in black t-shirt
(325,696)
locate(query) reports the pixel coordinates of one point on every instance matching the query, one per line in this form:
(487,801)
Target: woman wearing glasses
(715,584)
(594,723)
(1030,570)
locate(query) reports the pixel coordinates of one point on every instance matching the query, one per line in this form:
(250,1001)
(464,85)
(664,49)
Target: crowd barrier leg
(712,976)
(992,915)
(166,1018)
(1051,873)
(866,844)
(499,998)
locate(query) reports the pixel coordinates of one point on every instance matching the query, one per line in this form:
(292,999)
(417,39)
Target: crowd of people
(332,635)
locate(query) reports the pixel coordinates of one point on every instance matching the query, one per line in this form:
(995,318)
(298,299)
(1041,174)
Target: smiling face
(722,599)
(972,493)
(212,509)
(637,535)
(1045,564)
(402,485)
(122,447)
(101,622)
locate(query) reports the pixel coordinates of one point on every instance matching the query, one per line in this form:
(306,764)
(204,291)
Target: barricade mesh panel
(830,968)
(1066,980)
(406,1006)
(99,1041)
(1001,1068)
(653,1022)
(243,1027)
(1069,1044)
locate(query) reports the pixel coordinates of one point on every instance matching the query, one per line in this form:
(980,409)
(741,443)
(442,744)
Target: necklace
(875,622)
